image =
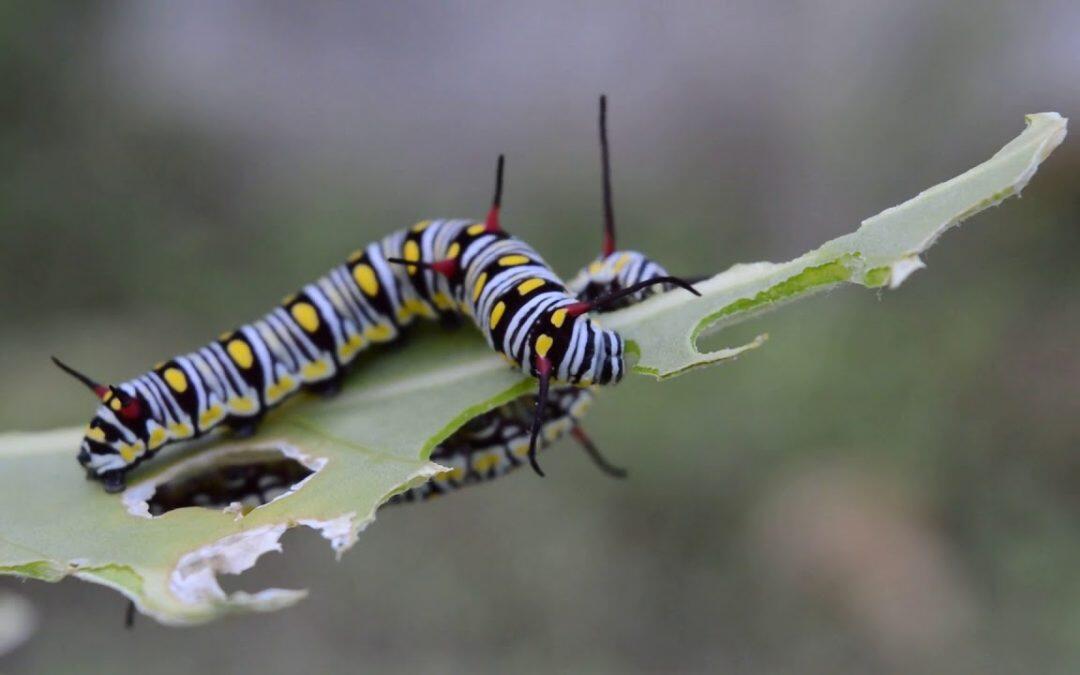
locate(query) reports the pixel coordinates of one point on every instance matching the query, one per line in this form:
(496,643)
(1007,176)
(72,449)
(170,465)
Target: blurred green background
(890,485)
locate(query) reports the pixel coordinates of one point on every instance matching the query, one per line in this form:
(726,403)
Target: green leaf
(373,439)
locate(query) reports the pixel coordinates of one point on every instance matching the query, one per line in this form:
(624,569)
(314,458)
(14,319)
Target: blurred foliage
(766,526)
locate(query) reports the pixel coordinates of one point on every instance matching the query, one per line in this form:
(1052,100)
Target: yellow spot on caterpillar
(356,255)
(476,230)
(413,307)
(558,317)
(306,316)
(455,250)
(442,301)
(457,473)
(596,267)
(115,404)
(221,338)
(585,382)
(158,365)
(486,462)
(365,279)
(176,379)
(411,252)
(275,392)
(623,259)
(346,350)
(130,452)
(211,416)
(543,344)
(497,313)
(506,357)
(379,333)
(242,404)
(421,226)
(288,298)
(511,260)
(314,370)
(95,434)
(421,308)
(526,287)
(521,450)
(479,287)
(157,438)
(240,353)
(180,430)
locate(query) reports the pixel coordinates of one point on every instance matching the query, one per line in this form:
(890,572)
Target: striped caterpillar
(495,443)
(432,270)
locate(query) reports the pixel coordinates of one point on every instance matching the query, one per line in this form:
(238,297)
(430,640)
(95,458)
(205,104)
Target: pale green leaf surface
(372,440)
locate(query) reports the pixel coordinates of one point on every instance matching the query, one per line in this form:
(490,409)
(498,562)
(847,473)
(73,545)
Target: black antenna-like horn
(99,390)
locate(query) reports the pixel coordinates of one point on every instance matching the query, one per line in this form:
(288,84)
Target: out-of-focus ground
(891,484)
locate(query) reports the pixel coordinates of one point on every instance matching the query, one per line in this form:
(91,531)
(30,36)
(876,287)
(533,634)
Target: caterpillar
(434,269)
(493,444)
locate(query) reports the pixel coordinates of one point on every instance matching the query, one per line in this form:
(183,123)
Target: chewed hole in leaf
(237,480)
(250,480)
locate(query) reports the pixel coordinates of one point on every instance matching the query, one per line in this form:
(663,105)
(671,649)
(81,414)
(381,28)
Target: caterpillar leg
(129,615)
(244,427)
(113,481)
(402,341)
(449,321)
(328,388)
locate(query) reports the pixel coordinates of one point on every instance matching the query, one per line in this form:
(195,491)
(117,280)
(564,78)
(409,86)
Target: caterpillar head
(572,348)
(115,439)
(614,271)
(576,348)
